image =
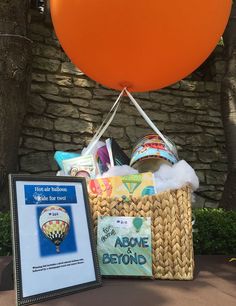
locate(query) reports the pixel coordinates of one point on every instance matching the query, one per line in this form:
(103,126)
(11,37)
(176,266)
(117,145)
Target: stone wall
(66,108)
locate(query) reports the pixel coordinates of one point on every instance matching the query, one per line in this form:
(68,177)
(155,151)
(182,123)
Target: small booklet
(116,154)
(84,166)
(138,185)
(124,246)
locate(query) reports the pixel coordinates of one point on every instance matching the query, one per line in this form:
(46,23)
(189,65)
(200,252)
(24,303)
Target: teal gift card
(124,246)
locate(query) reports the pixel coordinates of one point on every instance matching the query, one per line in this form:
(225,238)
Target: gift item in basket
(59,156)
(151,152)
(171,215)
(103,160)
(123,186)
(116,154)
(81,166)
(124,246)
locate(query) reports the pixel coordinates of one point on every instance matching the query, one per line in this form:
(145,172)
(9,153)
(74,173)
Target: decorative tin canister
(150,152)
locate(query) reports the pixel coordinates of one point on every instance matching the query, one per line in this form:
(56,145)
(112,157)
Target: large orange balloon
(141,44)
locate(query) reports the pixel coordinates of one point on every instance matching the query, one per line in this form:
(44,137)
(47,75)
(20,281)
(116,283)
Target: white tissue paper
(119,171)
(61,173)
(93,152)
(176,176)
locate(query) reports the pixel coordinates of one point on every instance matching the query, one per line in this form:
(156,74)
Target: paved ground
(214,285)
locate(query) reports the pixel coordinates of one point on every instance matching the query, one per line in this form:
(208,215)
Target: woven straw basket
(172,244)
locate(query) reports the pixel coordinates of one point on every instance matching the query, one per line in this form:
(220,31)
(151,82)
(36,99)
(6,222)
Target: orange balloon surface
(143,45)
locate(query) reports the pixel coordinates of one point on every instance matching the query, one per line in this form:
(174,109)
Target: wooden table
(214,285)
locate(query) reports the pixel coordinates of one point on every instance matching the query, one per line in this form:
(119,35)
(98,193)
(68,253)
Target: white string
(104,125)
(111,116)
(16,35)
(151,124)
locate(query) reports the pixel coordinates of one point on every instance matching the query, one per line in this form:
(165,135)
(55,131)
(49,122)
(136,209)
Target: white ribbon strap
(150,123)
(104,124)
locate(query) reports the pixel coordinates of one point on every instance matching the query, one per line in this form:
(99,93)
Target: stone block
(123,120)
(183,128)
(200,166)
(55,98)
(88,110)
(141,122)
(58,137)
(198,201)
(69,68)
(91,118)
(197,104)
(135,133)
(178,140)
(141,95)
(60,80)
(158,116)
(37,105)
(115,132)
(73,126)
(79,102)
(76,92)
(62,110)
(33,132)
(201,176)
(41,63)
(165,99)
(218,166)
(67,147)
(182,117)
(189,156)
(38,144)
(209,156)
(38,77)
(101,105)
(209,118)
(38,122)
(189,85)
(44,50)
(44,88)
(167,108)
(200,140)
(215,131)
(211,204)
(213,113)
(38,162)
(213,195)
(215,177)
(82,82)
(102,92)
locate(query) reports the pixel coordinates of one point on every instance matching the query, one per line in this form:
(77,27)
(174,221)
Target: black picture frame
(19,198)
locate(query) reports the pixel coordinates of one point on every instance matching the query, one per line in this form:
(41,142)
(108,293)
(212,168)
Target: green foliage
(215,232)
(5,234)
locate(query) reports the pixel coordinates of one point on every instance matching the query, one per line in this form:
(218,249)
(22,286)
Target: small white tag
(123,222)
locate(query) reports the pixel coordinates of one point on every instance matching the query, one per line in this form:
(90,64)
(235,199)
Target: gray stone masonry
(66,109)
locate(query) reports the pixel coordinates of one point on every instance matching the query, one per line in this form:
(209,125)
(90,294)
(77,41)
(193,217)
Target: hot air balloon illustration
(137,222)
(131,182)
(101,186)
(54,222)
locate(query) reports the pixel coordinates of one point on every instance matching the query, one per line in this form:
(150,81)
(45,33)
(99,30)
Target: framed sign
(53,244)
